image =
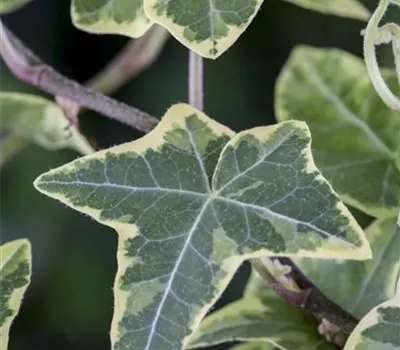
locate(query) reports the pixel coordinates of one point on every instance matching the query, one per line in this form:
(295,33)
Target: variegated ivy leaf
(360,286)
(260,316)
(356,141)
(261,345)
(26,118)
(191,201)
(7,6)
(15,272)
(379,329)
(208,27)
(343,8)
(124,17)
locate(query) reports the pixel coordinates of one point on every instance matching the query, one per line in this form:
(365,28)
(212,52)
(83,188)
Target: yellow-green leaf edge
(107,24)
(375,319)
(204,48)
(20,250)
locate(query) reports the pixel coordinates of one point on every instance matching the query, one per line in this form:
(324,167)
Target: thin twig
(29,68)
(309,298)
(196,80)
(135,57)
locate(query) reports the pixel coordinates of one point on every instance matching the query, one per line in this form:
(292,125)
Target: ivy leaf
(379,329)
(260,316)
(356,140)
(261,345)
(208,27)
(7,6)
(343,8)
(191,201)
(28,118)
(15,272)
(372,281)
(125,17)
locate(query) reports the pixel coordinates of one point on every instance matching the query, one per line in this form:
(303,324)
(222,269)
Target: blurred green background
(69,302)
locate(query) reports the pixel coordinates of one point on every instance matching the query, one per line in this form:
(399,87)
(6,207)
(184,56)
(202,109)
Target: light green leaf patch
(15,272)
(7,6)
(124,17)
(360,286)
(260,316)
(356,141)
(344,8)
(208,27)
(379,329)
(26,118)
(191,200)
(261,345)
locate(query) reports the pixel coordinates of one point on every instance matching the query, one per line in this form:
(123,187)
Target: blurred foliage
(69,303)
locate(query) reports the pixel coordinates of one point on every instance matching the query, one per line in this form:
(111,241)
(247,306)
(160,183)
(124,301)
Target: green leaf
(260,316)
(379,329)
(261,345)
(356,140)
(208,27)
(191,201)
(343,8)
(7,6)
(15,272)
(372,282)
(26,118)
(125,17)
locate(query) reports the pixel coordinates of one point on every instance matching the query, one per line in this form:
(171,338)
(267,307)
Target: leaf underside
(261,345)
(26,118)
(208,27)
(344,8)
(356,141)
(379,329)
(263,317)
(15,271)
(124,17)
(191,200)
(7,6)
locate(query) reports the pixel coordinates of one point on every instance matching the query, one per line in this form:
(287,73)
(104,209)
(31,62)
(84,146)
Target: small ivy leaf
(344,8)
(28,118)
(356,140)
(260,316)
(207,27)
(124,17)
(379,329)
(372,281)
(191,200)
(15,272)
(7,6)
(261,345)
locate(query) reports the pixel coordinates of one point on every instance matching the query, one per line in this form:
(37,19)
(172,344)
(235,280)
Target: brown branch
(309,298)
(29,68)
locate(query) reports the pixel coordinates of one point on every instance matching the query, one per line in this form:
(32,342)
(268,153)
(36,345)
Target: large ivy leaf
(261,345)
(360,286)
(343,8)
(260,316)
(191,201)
(26,118)
(356,141)
(125,17)
(379,329)
(7,6)
(15,271)
(208,27)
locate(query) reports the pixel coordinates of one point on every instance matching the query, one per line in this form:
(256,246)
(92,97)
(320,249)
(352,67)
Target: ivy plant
(192,200)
